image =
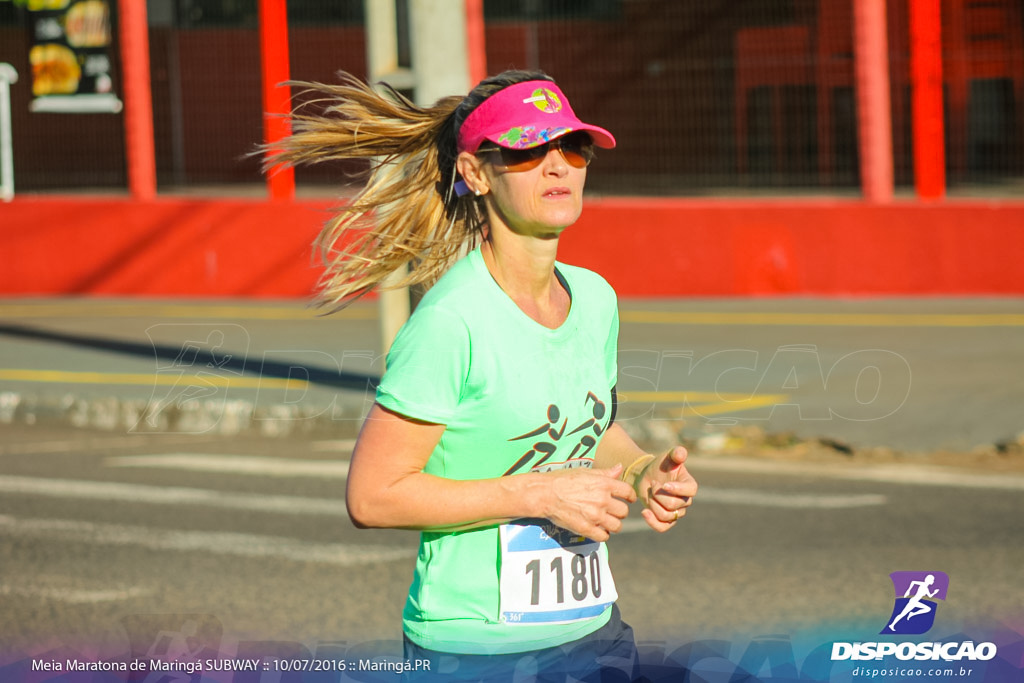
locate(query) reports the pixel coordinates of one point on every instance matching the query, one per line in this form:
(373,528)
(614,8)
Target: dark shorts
(607,655)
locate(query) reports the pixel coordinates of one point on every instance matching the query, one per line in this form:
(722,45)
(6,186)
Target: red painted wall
(828,248)
(644,247)
(162,247)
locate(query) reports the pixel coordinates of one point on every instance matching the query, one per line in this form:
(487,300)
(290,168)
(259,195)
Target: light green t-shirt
(515,396)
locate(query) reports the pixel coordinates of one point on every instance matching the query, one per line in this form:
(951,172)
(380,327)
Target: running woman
(493,431)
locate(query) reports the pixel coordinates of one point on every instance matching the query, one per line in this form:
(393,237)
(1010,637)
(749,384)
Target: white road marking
(77,597)
(796,501)
(338,445)
(916,475)
(161,495)
(40,447)
(172,495)
(88,444)
(217,542)
(237,464)
(754,498)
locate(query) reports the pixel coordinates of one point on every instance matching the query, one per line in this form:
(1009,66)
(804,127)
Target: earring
(478,193)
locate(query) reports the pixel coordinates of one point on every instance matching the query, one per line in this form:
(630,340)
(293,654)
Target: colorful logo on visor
(916,593)
(523,137)
(545,100)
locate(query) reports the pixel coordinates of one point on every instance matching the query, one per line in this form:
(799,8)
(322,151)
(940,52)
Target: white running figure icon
(914,606)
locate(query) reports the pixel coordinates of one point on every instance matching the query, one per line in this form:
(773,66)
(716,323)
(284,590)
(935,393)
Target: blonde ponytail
(409,211)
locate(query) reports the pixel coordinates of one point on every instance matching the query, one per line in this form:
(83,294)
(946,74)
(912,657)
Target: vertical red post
(927,127)
(475,41)
(874,113)
(138,112)
(276,97)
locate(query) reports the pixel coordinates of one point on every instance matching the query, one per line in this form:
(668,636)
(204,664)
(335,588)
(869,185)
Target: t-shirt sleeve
(427,367)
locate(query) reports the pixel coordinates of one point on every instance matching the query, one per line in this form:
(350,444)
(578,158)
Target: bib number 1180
(549,575)
(584,578)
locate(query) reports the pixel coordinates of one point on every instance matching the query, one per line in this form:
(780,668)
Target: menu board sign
(71,56)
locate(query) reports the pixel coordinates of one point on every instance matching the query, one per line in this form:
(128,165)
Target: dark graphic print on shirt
(552,435)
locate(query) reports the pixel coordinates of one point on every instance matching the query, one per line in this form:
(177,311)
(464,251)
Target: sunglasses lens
(516,160)
(577,149)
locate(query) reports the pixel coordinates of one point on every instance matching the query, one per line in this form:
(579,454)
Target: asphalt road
(173,472)
(242,543)
(915,375)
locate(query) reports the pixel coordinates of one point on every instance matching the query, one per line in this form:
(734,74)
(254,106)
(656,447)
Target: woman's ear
(471,169)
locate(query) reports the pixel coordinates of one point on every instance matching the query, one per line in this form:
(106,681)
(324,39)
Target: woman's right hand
(589,502)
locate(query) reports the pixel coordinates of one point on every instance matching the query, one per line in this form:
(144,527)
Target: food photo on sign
(71,56)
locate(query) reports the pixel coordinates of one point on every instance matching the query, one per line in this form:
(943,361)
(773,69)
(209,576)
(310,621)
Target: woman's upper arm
(390,447)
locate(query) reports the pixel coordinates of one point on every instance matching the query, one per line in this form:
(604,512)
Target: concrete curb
(343,416)
(219,417)
(340,419)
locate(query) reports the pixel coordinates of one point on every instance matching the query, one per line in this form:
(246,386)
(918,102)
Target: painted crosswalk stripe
(217,542)
(236,464)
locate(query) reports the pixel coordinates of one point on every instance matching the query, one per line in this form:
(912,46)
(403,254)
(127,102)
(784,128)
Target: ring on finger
(675,516)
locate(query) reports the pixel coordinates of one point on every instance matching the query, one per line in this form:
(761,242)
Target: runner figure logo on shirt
(551,433)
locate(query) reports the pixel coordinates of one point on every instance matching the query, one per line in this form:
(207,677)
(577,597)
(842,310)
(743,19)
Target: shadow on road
(222,359)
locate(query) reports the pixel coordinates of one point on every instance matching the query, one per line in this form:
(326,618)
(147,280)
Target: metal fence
(718,97)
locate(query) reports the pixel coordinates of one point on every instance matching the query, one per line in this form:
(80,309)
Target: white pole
(381,40)
(440,67)
(440,59)
(7,76)
(382,59)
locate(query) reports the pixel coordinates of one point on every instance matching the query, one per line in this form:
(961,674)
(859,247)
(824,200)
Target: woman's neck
(525,269)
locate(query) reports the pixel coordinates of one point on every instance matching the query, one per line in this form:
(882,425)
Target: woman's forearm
(426,502)
(617,447)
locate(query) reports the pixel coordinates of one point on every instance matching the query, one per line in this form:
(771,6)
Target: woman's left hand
(667,489)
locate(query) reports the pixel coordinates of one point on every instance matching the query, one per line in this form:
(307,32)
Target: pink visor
(525,115)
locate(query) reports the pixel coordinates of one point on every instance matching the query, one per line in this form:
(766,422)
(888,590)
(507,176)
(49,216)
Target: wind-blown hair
(408,212)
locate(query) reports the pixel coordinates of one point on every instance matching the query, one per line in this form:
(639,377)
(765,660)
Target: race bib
(550,575)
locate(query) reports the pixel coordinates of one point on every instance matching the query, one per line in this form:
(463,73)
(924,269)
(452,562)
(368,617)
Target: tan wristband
(632,474)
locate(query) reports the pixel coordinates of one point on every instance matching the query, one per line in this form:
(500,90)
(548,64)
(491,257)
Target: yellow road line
(70,377)
(731,406)
(704,403)
(826,319)
(364,312)
(177,311)
(688,396)
(696,402)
